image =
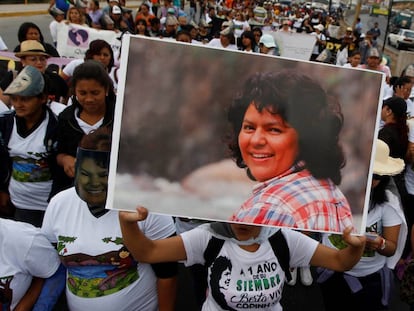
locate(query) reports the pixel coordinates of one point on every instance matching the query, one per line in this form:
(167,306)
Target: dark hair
(258,29)
(378,195)
(305,106)
(144,4)
(95,48)
(184,33)
(401,81)
(154,21)
(248,34)
(143,22)
(24,28)
(220,264)
(355,52)
(97,140)
(93,70)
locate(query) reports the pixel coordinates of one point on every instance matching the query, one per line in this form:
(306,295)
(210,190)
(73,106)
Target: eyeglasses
(34,59)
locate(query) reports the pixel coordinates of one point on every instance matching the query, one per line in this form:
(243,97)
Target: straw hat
(31,47)
(383,163)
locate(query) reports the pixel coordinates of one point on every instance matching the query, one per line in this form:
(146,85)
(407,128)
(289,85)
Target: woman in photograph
(285,133)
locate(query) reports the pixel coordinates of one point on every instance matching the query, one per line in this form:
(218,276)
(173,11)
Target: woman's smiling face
(92,182)
(268,145)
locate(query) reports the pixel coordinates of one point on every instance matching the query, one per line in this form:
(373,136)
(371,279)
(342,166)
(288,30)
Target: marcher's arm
(144,249)
(29,299)
(67,162)
(167,289)
(390,235)
(340,260)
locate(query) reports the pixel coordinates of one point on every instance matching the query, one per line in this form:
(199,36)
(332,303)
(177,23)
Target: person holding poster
(101,272)
(247,270)
(285,131)
(368,285)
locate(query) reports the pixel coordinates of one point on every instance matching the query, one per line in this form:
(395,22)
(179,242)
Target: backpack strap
(213,248)
(277,242)
(281,250)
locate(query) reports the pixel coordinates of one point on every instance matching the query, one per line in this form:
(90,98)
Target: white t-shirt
(246,280)
(217,44)
(320,36)
(25,252)
(70,67)
(409,173)
(53,27)
(383,215)
(31,179)
(101,274)
(86,127)
(410,107)
(240,27)
(3,107)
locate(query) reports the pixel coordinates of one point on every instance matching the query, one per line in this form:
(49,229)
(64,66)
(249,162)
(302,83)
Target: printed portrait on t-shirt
(245,287)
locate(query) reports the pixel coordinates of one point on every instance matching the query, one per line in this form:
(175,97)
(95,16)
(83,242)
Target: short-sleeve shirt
(101,273)
(296,199)
(25,252)
(246,280)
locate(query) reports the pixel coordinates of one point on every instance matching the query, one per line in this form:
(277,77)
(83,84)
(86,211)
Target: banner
(10,62)
(294,45)
(73,40)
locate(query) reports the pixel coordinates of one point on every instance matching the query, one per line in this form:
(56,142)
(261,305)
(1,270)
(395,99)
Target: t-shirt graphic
(6,293)
(96,276)
(235,288)
(34,168)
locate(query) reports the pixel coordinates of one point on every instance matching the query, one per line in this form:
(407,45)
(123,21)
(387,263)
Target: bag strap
(281,251)
(277,242)
(213,248)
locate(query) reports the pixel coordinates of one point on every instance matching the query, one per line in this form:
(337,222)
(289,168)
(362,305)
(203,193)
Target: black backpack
(277,241)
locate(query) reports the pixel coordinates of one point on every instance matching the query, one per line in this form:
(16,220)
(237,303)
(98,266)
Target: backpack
(277,242)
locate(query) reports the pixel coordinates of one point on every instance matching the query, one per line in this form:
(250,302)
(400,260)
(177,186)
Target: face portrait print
(91,179)
(225,279)
(220,278)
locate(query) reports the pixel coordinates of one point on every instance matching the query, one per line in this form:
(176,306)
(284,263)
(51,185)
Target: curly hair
(305,106)
(220,264)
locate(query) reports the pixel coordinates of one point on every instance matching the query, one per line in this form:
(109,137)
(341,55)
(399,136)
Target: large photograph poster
(170,144)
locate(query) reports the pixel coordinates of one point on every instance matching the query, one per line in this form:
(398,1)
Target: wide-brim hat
(385,165)
(31,47)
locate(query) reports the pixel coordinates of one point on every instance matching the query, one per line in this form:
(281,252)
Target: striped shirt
(296,199)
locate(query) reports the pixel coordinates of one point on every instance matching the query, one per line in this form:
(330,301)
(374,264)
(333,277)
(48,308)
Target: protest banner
(73,40)
(10,62)
(170,141)
(294,45)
